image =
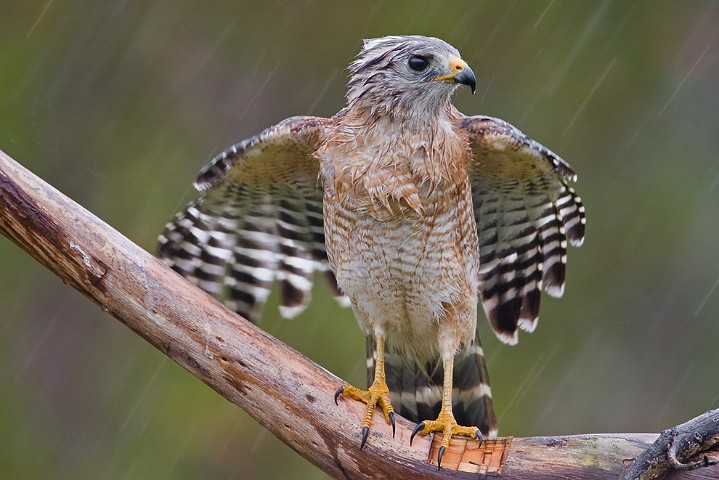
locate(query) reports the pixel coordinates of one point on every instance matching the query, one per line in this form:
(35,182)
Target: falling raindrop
(683,80)
(589,96)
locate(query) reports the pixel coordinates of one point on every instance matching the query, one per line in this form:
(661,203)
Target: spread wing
(526,215)
(258,219)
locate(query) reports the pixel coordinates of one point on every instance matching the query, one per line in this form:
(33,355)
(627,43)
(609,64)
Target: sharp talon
(480,437)
(440,454)
(338,393)
(420,426)
(365,434)
(391,419)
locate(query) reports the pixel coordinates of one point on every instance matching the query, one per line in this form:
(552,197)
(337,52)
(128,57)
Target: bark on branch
(283,390)
(680,448)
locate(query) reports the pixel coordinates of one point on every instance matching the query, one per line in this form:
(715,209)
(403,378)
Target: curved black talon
(338,393)
(420,426)
(440,454)
(391,419)
(480,437)
(365,434)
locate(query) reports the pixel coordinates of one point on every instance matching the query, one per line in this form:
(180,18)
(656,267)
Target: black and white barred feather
(257,220)
(416,390)
(526,214)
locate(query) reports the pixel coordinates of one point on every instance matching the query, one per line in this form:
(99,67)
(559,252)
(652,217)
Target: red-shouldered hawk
(411,209)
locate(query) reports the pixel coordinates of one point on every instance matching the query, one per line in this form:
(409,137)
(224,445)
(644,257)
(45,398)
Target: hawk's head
(411,74)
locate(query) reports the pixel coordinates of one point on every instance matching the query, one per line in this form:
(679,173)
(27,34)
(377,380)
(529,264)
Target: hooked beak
(461,73)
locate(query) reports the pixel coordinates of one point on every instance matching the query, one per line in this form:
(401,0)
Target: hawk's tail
(416,392)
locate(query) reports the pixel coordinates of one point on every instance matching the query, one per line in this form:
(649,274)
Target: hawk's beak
(460,73)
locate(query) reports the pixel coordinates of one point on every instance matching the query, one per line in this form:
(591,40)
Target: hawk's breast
(401,236)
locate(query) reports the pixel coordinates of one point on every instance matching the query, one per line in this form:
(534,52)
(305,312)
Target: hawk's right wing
(257,220)
(526,215)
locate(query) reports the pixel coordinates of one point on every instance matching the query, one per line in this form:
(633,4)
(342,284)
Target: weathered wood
(283,390)
(680,448)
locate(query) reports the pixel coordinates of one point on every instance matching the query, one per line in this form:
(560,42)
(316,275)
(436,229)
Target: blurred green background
(118,104)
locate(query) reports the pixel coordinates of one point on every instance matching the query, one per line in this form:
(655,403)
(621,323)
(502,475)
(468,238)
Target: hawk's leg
(445,422)
(377,394)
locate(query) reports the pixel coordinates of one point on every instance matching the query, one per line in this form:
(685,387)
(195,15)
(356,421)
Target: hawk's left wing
(526,214)
(257,220)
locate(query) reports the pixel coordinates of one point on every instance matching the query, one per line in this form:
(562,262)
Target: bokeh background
(118,104)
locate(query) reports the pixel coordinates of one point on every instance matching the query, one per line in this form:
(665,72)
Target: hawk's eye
(418,63)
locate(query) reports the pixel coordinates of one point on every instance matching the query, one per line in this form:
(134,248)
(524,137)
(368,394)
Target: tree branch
(678,448)
(283,390)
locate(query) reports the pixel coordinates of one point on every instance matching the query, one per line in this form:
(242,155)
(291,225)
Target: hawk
(413,211)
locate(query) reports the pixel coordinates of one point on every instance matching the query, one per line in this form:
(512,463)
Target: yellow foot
(378,394)
(447,425)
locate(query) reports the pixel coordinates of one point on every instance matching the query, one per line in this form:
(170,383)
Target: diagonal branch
(283,390)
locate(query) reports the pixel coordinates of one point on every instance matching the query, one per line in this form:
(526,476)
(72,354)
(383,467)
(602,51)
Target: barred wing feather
(257,220)
(526,214)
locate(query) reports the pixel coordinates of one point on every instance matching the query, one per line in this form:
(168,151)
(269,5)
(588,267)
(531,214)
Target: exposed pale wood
(284,391)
